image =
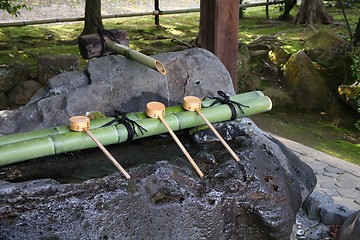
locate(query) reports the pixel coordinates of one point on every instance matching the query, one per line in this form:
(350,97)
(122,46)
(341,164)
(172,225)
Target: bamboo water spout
(192,103)
(82,123)
(157,110)
(136,56)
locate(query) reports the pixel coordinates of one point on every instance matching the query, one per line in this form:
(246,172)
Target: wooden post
(219,20)
(157,9)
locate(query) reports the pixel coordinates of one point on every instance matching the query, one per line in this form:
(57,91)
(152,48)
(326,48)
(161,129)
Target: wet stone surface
(256,198)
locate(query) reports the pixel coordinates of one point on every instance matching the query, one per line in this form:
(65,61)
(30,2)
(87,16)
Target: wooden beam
(219,20)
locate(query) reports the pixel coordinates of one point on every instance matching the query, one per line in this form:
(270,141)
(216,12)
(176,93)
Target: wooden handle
(233,154)
(103,149)
(181,146)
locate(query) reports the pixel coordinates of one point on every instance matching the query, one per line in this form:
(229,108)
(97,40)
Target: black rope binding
(225,99)
(129,124)
(103,32)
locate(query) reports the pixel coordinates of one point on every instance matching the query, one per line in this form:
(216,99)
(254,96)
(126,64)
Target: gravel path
(75,8)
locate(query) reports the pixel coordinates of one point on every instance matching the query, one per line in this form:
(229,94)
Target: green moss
(313,130)
(96,115)
(342,149)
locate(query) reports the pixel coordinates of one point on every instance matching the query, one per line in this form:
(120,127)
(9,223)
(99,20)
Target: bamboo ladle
(157,110)
(192,103)
(82,123)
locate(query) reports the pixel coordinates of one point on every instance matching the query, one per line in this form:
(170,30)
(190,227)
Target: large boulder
(278,56)
(330,52)
(246,79)
(306,83)
(52,65)
(22,93)
(350,230)
(116,82)
(3,104)
(256,198)
(280,98)
(12,74)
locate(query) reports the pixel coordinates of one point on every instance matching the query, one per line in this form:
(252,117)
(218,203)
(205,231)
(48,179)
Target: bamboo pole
(233,154)
(17,137)
(72,141)
(82,123)
(192,103)
(136,56)
(108,155)
(157,110)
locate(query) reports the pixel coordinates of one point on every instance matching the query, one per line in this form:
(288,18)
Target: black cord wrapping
(103,32)
(129,124)
(225,99)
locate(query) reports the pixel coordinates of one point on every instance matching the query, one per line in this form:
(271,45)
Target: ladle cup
(157,110)
(192,103)
(82,123)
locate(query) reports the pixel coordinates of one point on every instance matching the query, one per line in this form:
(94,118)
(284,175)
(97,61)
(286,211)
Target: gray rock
(318,232)
(278,56)
(330,51)
(52,65)
(125,85)
(3,104)
(303,79)
(12,74)
(306,229)
(22,93)
(67,82)
(256,198)
(279,97)
(350,230)
(246,83)
(315,202)
(334,214)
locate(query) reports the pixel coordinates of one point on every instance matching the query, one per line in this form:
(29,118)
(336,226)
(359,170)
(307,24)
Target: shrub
(355,68)
(12,7)
(355,65)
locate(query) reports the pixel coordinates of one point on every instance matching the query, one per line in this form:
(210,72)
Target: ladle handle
(181,146)
(233,154)
(103,149)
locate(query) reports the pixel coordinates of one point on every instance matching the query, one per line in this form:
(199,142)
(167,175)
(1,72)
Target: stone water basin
(81,195)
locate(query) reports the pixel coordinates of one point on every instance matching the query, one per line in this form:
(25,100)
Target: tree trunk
(93,19)
(289,4)
(356,39)
(310,11)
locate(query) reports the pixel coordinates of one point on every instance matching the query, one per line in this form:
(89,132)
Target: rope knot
(225,99)
(129,124)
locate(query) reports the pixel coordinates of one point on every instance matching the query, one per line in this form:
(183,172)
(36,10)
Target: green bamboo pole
(73,141)
(17,137)
(136,56)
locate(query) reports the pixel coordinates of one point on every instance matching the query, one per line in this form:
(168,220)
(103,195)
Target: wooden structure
(219,22)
